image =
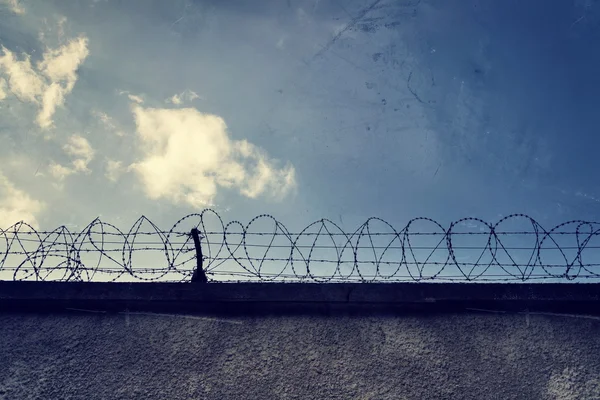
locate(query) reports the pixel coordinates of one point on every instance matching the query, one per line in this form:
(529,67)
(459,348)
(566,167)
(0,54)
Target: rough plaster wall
(462,356)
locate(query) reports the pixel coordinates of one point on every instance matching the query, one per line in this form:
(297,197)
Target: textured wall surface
(469,355)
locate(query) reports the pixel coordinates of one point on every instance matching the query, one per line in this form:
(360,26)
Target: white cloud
(3,88)
(54,78)
(79,148)
(135,98)
(52,98)
(261,176)
(108,122)
(60,172)
(81,153)
(188,155)
(16,205)
(114,169)
(175,100)
(14,6)
(185,96)
(104,118)
(24,82)
(61,65)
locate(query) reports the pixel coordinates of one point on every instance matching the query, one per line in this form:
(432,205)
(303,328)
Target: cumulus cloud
(81,153)
(49,83)
(16,205)
(80,149)
(185,96)
(23,81)
(3,88)
(188,155)
(52,98)
(107,122)
(114,170)
(60,172)
(14,6)
(61,65)
(133,97)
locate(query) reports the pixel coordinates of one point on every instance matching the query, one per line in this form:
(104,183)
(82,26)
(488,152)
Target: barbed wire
(516,248)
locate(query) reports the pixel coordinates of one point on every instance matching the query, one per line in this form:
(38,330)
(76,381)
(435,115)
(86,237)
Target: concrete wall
(129,350)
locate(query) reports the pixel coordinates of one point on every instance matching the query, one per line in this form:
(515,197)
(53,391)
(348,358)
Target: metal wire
(516,248)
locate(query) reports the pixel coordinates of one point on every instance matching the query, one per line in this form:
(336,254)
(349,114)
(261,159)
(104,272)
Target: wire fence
(202,248)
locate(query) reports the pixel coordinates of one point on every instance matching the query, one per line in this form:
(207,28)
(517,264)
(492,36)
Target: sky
(301,109)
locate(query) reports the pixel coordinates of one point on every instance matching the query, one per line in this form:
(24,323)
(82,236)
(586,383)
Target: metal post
(199,274)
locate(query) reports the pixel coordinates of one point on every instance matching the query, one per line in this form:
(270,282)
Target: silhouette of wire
(516,248)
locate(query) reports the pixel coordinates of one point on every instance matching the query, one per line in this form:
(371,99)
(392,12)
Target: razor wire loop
(202,245)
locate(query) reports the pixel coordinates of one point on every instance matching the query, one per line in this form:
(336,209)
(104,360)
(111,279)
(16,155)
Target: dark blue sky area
(338,109)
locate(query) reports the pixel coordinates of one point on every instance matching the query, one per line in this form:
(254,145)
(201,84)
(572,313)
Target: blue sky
(300,109)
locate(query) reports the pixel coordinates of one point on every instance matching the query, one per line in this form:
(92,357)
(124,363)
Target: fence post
(199,274)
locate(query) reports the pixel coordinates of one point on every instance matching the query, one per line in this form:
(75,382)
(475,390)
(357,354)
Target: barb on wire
(516,248)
